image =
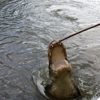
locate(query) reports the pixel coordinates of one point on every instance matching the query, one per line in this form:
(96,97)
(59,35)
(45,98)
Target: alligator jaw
(56,51)
(57,58)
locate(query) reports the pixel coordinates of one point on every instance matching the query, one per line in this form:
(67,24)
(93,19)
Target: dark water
(26,29)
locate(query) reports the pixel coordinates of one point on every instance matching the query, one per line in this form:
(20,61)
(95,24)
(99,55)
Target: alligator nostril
(60,43)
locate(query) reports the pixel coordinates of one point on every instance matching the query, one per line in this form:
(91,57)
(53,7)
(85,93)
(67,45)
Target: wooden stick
(79,32)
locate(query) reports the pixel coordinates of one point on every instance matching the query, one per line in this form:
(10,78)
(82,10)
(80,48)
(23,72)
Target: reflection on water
(26,29)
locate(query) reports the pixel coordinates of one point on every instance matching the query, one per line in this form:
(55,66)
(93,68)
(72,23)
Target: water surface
(26,29)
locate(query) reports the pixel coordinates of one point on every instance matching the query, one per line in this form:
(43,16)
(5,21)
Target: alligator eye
(69,71)
(56,77)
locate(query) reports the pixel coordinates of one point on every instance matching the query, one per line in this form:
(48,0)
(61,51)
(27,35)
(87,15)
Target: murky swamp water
(26,29)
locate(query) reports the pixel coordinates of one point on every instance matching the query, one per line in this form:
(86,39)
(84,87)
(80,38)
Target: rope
(78,32)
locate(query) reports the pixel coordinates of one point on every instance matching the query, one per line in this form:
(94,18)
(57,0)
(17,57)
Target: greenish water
(26,29)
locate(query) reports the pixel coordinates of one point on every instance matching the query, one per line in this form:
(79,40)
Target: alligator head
(60,73)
